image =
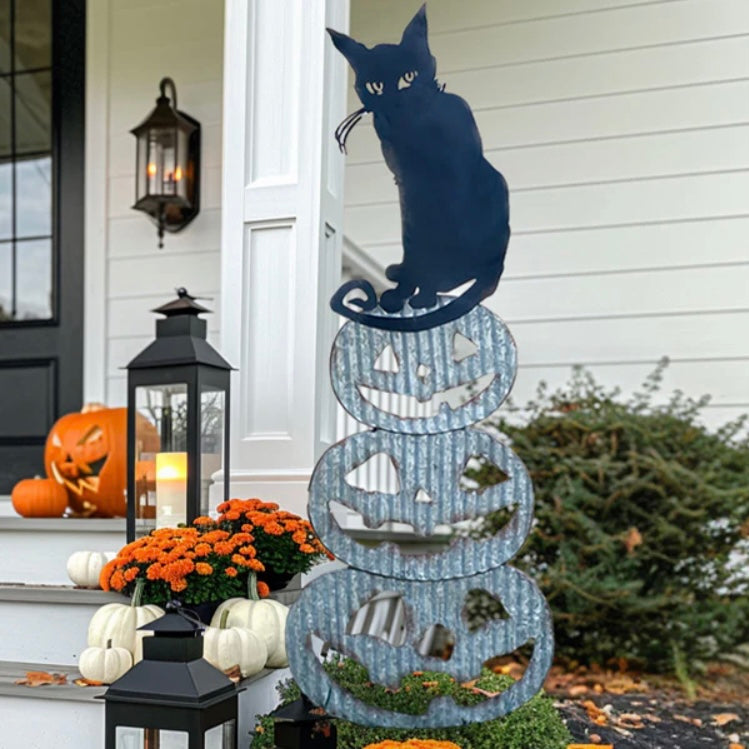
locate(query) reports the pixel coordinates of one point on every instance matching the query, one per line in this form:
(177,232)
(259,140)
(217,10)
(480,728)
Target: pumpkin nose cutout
(387,361)
(422,496)
(423,372)
(382,616)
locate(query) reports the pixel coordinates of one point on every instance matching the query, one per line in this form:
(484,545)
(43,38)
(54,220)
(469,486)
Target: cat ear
(416,31)
(348,47)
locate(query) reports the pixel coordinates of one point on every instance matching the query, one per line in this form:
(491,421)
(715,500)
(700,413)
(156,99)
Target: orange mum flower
(262,589)
(231,572)
(256,565)
(274,529)
(203,569)
(307,549)
(300,537)
(131,574)
(178,585)
(202,549)
(203,520)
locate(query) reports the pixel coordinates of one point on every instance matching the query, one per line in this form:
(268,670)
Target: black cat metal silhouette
(454,203)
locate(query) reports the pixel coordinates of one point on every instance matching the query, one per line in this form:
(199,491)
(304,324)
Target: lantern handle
(166,81)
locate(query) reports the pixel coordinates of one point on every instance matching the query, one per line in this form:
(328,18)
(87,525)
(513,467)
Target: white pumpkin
(265,617)
(224,647)
(104,664)
(84,567)
(278,658)
(118,622)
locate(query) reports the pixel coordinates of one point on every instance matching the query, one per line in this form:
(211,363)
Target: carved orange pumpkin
(39,498)
(87,453)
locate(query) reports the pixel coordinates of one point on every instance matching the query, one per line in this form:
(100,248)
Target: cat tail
(454,309)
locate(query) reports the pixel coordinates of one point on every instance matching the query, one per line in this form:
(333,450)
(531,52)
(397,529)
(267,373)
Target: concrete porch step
(36,550)
(47,623)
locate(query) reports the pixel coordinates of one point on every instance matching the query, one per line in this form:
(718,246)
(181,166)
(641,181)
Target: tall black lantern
(173,698)
(177,422)
(167,184)
(301,725)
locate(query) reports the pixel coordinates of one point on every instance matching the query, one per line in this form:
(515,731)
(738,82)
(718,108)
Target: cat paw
(394,272)
(391,301)
(423,300)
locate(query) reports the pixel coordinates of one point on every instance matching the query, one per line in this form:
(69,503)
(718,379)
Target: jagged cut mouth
(410,407)
(79,484)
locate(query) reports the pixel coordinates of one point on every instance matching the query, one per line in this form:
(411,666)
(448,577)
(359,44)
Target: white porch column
(284,93)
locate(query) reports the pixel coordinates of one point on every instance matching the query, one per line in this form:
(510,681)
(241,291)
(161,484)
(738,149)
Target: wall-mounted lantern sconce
(167,168)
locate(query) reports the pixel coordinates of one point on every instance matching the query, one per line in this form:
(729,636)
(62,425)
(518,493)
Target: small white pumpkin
(84,567)
(118,622)
(224,647)
(104,664)
(261,616)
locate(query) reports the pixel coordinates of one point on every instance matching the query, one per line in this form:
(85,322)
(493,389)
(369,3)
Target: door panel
(42,89)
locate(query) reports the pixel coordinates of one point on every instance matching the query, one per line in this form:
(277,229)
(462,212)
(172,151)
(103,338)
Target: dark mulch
(656,720)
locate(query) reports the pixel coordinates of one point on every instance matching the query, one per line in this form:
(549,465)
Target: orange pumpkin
(87,454)
(39,498)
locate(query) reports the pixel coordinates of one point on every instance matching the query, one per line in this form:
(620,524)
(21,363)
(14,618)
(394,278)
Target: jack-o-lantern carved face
(425,372)
(87,454)
(340,594)
(429,493)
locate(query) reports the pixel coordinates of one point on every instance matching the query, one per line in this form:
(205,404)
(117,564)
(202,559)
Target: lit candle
(171,489)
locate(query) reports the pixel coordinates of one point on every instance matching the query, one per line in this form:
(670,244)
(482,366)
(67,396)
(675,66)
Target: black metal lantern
(167,169)
(177,422)
(301,725)
(173,698)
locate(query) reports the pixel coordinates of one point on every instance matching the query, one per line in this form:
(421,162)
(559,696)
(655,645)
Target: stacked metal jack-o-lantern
(430,454)
(455,222)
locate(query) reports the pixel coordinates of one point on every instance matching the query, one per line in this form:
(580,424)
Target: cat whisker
(346,126)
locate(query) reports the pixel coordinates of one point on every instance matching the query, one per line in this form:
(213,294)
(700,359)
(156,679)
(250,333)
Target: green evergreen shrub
(536,724)
(638,510)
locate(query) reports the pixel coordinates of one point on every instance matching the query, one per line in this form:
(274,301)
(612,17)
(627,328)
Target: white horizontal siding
(149,39)
(622,129)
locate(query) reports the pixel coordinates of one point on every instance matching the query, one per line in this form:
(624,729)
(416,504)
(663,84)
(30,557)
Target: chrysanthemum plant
(216,559)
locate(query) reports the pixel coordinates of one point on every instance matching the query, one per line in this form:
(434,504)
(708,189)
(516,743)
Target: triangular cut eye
(376,474)
(422,496)
(387,361)
(481,608)
(463,347)
(480,474)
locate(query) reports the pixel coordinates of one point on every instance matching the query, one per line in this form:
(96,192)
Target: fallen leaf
(484,692)
(630,720)
(721,719)
(687,719)
(428,684)
(88,683)
(632,540)
(577,690)
(42,678)
(234,673)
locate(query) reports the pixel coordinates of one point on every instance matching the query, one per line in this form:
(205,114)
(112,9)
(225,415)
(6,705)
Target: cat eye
(375,87)
(407,79)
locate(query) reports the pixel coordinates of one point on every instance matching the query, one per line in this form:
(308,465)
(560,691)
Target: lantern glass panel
(150,738)
(181,176)
(212,421)
(160,456)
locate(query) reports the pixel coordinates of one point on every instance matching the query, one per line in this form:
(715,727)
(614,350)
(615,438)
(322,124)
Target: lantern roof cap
(177,622)
(184,304)
(180,338)
(301,710)
(166,115)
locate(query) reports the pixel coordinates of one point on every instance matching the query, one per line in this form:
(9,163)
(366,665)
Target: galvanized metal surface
(430,453)
(432,464)
(427,368)
(326,605)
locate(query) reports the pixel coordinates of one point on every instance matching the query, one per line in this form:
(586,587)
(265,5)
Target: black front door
(42,89)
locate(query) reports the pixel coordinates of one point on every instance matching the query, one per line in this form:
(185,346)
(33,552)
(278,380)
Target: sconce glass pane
(160,456)
(212,419)
(127,737)
(162,161)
